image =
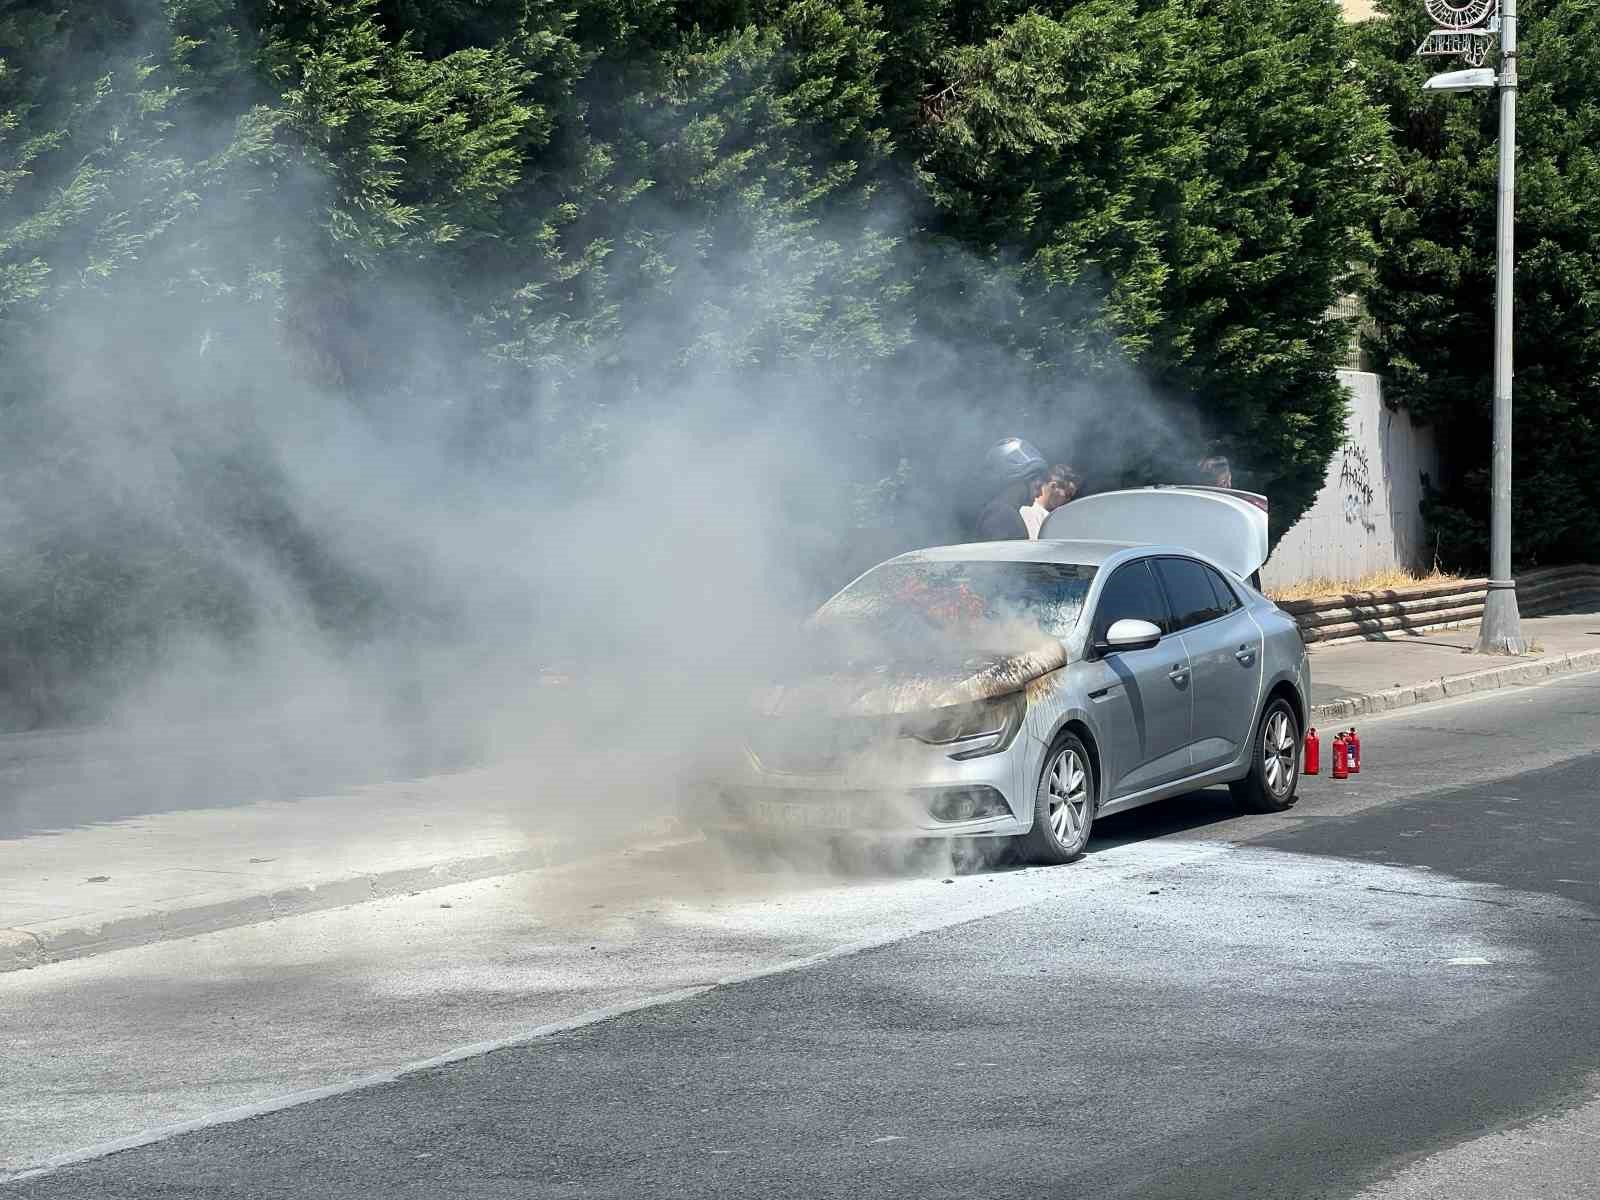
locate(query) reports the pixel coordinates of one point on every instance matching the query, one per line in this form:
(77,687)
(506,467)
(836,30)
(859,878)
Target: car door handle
(1178,674)
(1246,654)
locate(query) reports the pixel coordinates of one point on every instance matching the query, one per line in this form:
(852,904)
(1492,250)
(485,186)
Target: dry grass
(1378,581)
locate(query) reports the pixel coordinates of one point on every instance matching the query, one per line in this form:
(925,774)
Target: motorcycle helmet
(1012,458)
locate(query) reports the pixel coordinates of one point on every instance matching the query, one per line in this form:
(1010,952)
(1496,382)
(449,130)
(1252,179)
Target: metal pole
(1501,631)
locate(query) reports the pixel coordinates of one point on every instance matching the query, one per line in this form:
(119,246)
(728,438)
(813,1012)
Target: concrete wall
(1367,517)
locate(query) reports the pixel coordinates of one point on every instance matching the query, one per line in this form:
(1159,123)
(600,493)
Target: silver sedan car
(1021,689)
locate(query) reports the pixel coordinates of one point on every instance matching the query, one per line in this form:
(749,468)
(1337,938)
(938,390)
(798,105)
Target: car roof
(1083,553)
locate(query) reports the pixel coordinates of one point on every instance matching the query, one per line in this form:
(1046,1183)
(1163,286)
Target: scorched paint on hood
(903,684)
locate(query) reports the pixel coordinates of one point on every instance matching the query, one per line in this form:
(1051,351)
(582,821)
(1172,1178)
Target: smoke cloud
(202,535)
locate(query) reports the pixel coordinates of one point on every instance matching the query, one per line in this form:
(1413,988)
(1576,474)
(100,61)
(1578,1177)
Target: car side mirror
(1129,634)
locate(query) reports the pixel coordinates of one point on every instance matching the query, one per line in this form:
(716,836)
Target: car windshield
(966,600)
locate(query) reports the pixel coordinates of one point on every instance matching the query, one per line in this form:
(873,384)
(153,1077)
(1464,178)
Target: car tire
(1063,804)
(1274,762)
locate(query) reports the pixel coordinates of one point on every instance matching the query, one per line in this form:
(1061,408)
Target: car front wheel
(1274,762)
(1063,806)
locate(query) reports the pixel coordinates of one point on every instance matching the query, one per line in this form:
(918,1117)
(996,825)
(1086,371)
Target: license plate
(805,816)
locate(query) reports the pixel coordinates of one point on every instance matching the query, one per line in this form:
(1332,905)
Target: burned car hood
(908,682)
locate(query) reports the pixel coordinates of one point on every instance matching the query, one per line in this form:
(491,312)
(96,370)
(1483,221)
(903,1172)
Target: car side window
(1188,591)
(1131,592)
(1227,598)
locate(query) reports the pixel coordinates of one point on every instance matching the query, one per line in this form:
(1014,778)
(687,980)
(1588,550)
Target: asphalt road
(1353,998)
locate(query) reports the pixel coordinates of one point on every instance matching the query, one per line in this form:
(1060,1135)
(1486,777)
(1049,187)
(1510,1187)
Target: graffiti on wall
(1368,515)
(1355,482)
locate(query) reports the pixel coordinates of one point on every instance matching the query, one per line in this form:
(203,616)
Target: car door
(1224,647)
(1141,698)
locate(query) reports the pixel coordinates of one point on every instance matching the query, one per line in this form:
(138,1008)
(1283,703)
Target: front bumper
(904,790)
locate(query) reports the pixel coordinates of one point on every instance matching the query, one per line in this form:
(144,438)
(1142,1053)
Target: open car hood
(1229,527)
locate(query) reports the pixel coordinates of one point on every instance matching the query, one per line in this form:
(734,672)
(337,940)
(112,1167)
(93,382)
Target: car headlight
(970,730)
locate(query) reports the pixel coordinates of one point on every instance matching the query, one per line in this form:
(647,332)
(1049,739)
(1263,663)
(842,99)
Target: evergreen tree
(516,228)
(1432,293)
(1180,189)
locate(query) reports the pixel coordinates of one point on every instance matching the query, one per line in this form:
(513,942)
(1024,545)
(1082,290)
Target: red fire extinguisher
(1341,768)
(1313,757)
(1352,745)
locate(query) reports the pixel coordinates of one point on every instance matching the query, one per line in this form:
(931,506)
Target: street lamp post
(1467,27)
(1501,631)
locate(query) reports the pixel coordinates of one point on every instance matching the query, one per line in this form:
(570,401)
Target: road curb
(21,949)
(1456,685)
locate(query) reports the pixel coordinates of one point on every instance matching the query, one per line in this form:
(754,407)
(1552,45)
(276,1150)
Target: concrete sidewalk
(101,887)
(1351,679)
(109,885)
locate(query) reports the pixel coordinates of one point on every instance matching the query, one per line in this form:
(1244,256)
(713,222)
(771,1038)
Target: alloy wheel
(1277,753)
(1068,798)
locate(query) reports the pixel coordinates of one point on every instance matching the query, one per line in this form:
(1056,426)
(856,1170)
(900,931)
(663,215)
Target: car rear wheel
(1063,806)
(1274,762)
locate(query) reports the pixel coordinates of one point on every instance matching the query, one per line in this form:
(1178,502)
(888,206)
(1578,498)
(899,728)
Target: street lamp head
(1461,81)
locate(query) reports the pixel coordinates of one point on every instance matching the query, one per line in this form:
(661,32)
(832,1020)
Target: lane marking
(244,1112)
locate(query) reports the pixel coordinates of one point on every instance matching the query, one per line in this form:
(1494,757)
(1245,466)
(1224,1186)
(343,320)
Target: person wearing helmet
(1015,467)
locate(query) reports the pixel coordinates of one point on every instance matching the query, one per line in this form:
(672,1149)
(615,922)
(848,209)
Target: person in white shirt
(1055,489)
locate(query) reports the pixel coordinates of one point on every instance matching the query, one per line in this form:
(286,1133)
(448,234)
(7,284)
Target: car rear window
(1227,598)
(961,597)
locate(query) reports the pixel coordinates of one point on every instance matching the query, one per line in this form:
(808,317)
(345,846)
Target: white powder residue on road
(175,1031)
